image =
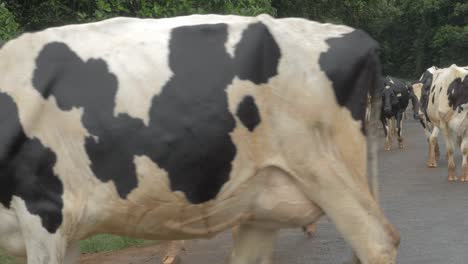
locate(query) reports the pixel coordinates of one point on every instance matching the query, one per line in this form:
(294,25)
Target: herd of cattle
(439,100)
(181,128)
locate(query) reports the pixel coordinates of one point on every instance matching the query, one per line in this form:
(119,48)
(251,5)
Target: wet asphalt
(430,213)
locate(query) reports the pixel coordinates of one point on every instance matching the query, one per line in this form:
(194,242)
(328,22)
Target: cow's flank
(182,118)
(248,114)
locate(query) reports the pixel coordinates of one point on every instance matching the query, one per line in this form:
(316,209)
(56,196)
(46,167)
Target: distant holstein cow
(421,89)
(443,94)
(395,100)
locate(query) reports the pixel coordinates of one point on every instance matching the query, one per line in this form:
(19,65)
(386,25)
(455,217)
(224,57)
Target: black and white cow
(421,90)
(183,127)
(395,100)
(444,102)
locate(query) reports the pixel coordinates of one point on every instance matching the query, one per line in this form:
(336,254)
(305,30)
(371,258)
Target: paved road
(430,213)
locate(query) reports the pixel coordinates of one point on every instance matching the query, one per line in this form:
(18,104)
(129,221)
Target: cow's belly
(433,114)
(270,197)
(458,122)
(282,203)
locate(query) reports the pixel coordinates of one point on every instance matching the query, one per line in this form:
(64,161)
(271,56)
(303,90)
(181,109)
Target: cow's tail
(372,130)
(375,84)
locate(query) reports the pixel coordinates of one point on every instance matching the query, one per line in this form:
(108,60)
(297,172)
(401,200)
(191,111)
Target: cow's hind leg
(73,252)
(433,148)
(173,252)
(437,150)
(42,246)
(253,244)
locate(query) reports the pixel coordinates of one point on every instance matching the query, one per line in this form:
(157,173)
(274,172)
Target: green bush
(8,26)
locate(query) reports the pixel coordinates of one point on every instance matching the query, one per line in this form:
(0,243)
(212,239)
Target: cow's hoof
(452,178)
(401,145)
(170,260)
(387,146)
(309,231)
(431,164)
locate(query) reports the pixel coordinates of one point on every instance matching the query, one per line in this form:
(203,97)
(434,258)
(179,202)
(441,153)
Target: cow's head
(414,90)
(389,99)
(427,77)
(419,101)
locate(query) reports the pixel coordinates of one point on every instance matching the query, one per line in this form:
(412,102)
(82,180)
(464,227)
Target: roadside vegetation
(95,244)
(413,34)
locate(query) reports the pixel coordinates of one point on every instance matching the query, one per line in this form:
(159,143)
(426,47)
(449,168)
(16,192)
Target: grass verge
(97,243)
(105,242)
(4,259)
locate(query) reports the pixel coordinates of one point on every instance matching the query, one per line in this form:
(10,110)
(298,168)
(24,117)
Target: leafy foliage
(450,44)
(413,34)
(8,26)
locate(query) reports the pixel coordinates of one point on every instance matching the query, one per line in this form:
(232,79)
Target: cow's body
(444,101)
(184,127)
(395,99)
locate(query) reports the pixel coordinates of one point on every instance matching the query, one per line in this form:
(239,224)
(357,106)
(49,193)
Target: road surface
(430,213)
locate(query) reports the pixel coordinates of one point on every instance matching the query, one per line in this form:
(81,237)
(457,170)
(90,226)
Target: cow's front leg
(433,148)
(387,133)
(391,131)
(464,151)
(437,150)
(253,244)
(310,229)
(173,251)
(399,125)
(347,201)
(449,145)
(42,246)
